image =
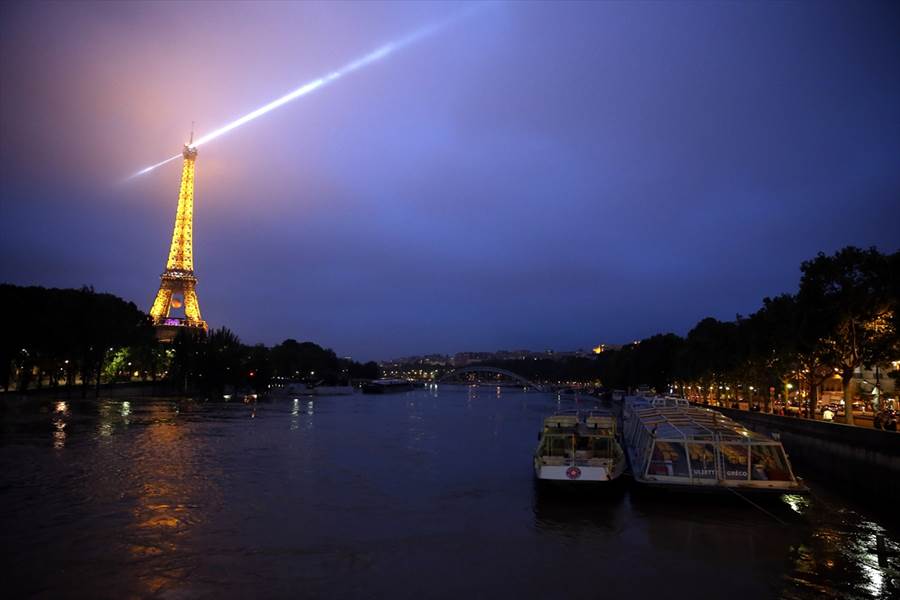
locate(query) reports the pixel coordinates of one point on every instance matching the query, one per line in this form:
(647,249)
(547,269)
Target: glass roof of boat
(689,422)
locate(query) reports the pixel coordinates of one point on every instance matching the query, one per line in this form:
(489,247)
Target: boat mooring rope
(752,503)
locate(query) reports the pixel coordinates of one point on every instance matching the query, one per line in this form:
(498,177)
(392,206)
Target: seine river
(427,494)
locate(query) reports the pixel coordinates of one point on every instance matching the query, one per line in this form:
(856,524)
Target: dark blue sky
(536,175)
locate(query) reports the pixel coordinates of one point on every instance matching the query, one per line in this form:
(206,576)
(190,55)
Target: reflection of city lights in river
(59,436)
(106,416)
(875,563)
(797,503)
(874,576)
(126,413)
(295,414)
(59,425)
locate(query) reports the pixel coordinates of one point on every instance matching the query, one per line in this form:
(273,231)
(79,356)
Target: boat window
(643,441)
(668,459)
(703,460)
(768,462)
(734,461)
(645,448)
(592,447)
(600,446)
(558,445)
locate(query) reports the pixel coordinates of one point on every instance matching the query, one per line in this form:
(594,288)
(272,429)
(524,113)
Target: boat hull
(332,390)
(390,388)
(575,474)
(719,488)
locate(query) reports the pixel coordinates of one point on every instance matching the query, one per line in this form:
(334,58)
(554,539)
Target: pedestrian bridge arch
(456,374)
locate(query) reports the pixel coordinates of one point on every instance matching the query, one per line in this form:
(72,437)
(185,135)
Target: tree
(656,360)
(710,354)
(188,352)
(295,360)
(221,361)
(64,331)
(852,298)
(785,342)
(258,368)
(369,370)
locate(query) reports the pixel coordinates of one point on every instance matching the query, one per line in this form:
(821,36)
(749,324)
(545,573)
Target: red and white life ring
(573,472)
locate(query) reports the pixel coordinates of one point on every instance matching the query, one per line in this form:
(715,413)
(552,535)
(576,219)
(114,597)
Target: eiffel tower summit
(176,305)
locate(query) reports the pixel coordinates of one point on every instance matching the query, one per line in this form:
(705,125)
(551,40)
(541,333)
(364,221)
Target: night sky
(533,176)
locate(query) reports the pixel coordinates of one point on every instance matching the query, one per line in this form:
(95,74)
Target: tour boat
(384,386)
(670,443)
(577,447)
(301,388)
(332,390)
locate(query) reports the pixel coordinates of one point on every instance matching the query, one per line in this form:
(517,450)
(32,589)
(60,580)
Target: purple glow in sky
(309,87)
(540,175)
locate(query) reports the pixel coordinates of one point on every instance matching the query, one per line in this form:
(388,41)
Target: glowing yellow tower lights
(178,279)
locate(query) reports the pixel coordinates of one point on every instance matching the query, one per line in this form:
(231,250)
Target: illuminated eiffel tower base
(178,284)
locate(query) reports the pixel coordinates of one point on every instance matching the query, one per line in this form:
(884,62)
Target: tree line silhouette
(846,314)
(68,338)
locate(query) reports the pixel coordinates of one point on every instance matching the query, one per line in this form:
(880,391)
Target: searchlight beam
(307,88)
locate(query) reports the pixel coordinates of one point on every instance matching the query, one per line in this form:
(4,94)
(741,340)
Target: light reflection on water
(799,504)
(354,496)
(61,410)
(295,414)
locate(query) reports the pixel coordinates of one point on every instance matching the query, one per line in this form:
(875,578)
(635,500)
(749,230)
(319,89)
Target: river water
(426,494)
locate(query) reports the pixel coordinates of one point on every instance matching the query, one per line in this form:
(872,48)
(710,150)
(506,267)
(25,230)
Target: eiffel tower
(177,287)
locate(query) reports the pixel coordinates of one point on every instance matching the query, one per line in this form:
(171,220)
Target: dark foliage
(57,334)
(846,314)
(58,337)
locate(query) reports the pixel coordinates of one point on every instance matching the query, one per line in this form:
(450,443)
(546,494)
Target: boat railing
(602,419)
(568,447)
(557,422)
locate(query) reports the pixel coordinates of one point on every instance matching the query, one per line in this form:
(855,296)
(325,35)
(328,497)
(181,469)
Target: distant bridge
(455,373)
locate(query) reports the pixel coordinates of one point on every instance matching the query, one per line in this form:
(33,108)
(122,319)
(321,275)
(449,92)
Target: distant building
(865,381)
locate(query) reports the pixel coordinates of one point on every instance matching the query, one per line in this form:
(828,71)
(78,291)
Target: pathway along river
(427,494)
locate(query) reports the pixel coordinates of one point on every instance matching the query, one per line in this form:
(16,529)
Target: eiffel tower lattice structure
(177,288)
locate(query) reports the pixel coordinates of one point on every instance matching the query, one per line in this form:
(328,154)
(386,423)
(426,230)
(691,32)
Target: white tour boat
(672,444)
(579,448)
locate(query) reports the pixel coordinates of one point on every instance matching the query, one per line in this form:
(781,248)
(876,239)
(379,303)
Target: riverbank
(131,389)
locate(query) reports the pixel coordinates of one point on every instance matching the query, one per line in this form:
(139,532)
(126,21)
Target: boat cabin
(570,440)
(671,442)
